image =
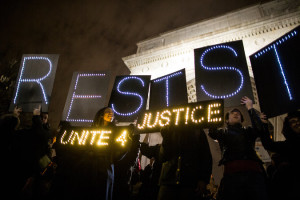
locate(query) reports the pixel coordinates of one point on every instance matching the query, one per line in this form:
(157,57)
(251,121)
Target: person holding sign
(104,119)
(243,171)
(187,163)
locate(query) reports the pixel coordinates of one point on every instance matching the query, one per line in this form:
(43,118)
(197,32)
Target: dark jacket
(288,149)
(24,149)
(186,157)
(90,171)
(284,182)
(237,142)
(149,152)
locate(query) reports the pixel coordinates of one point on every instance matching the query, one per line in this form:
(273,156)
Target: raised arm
(268,143)
(255,120)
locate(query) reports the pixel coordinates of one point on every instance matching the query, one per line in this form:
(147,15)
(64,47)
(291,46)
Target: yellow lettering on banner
(103,136)
(211,111)
(70,137)
(80,139)
(62,138)
(155,121)
(144,122)
(177,114)
(187,115)
(86,134)
(163,117)
(122,139)
(193,113)
(94,136)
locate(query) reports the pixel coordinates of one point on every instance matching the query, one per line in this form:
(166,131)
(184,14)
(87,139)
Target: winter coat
(186,157)
(237,142)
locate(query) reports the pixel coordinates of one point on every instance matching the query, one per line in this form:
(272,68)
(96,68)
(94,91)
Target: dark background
(90,35)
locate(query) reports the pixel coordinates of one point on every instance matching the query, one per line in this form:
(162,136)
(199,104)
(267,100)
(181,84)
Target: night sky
(94,35)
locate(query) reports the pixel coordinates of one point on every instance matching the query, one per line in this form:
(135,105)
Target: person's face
(295,124)
(108,115)
(45,118)
(234,118)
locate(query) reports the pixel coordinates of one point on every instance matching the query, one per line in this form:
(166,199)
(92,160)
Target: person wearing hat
(244,176)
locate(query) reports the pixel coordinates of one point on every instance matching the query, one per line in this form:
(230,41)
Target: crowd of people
(36,166)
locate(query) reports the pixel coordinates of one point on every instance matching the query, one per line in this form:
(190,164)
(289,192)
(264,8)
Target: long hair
(286,129)
(98,119)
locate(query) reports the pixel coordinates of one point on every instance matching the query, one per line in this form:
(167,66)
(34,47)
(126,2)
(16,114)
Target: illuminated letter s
(129,93)
(221,68)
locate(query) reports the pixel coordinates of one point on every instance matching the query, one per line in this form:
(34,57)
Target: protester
(151,173)
(38,185)
(244,176)
(123,167)
(285,178)
(9,124)
(187,163)
(89,173)
(25,150)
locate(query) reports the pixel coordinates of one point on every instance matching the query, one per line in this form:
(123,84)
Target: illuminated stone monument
(256,26)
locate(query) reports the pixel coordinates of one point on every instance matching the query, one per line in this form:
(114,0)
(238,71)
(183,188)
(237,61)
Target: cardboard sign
(221,72)
(129,97)
(35,82)
(87,94)
(276,73)
(169,90)
(201,114)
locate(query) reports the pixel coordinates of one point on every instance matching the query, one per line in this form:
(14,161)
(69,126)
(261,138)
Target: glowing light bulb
(187,115)
(155,121)
(62,138)
(177,114)
(122,138)
(103,136)
(144,122)
(163,117)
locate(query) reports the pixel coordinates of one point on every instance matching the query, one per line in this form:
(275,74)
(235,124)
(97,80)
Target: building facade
(256,26)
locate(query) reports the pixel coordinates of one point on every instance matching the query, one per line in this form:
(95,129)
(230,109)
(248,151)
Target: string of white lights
(38,80)
(129,93)
(221,68)
(283,74)
(75,96)
(166,78)
(273,46)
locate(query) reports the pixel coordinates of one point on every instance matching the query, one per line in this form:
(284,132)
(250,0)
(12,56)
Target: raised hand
(17,111)
(37,111)
(263,118)
(247,102)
